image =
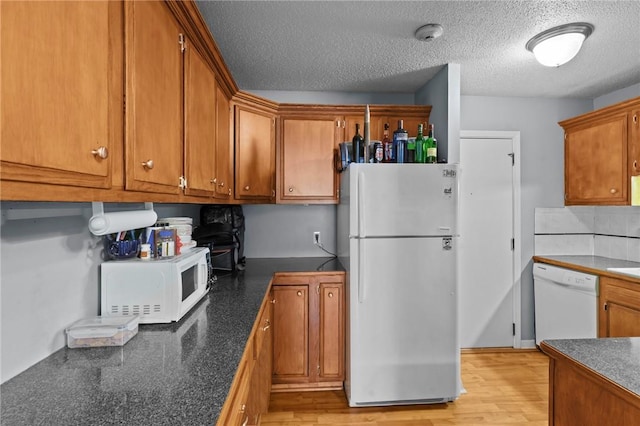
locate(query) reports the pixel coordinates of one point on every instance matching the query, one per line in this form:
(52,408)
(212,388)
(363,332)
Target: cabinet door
(634,142)
(619,309)
(596,162)
(224,161)
(410,124)
(331,329)
(260,387)
(60,94)
(255,154)
(200,91)
(290,332)
(376,126)
(154,135)
(307,159)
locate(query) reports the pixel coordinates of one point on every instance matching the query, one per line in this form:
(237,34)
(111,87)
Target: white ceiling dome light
(558,45)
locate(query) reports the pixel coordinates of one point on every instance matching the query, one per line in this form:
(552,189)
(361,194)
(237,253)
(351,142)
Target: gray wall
(336,98)
(49,275)
(617,96)
(542,162)
(442,92)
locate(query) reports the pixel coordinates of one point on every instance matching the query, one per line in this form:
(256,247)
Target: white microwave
(157,290)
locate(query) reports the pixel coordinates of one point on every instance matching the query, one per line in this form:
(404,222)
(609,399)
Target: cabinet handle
(148,164)
(330,295)
(268,324)
(221,185)
(246,188)
(214,181)
(299,293)
(613,190)
(242,408)
(229,191)
(246,421)
(101,152)
(291,189)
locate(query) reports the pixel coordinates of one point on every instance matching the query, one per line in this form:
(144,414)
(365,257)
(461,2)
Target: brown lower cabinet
(619,308)
(308,335)
(251,387)
(580,396)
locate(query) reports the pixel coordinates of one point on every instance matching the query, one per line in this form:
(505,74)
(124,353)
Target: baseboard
(499,350)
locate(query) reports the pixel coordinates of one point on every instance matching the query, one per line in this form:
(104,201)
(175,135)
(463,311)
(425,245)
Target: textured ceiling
(369,46)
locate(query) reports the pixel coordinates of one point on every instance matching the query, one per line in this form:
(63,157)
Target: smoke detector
(429,32)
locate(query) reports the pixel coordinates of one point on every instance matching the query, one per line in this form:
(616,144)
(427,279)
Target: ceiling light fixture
(558,45)
(429,32)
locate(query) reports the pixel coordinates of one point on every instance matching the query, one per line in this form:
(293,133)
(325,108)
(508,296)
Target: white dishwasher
(565,303)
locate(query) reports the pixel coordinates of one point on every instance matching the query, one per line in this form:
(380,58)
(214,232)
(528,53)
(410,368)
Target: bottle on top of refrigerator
(420,151)
(387,146)
(357,146)
(400,138)
(432,147)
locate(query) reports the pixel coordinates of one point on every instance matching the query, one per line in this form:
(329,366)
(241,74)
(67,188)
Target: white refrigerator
(398,241)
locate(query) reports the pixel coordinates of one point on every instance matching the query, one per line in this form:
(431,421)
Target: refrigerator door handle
(361,204)
(361,281)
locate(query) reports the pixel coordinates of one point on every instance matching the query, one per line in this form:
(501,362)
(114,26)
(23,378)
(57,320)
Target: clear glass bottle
(420,150)
(400,137)
(357,146)
(432,147)
(387,146)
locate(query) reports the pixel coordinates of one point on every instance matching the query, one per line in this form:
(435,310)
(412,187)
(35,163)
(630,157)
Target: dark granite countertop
(167,374)
(591,264)
(617,359)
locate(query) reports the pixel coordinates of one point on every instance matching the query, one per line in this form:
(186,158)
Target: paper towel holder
(98,212)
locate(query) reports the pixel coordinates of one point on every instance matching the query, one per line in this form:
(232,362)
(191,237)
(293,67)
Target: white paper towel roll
(109,223)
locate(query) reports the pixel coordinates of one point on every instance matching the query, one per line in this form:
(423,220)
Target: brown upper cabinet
(602,151)
(254,148)
(61,103)
(308,139)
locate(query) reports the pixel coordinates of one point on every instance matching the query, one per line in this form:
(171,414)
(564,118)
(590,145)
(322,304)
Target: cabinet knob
(267,325)
(101,152)
(242,408)
(330,294)
(613,190)
(221,184)
(299,293)
(273,301)
(214,181)
(148,164)
(246,188)
(229,191)
(635,165)
(291,189)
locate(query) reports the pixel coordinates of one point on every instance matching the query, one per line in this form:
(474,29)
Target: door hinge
(183,183)
(513,328)
(513,158)
(513,244)
(318,289)
(182,42)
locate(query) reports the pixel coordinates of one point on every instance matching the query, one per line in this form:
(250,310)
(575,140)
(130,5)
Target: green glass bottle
(432,147)
(420,152)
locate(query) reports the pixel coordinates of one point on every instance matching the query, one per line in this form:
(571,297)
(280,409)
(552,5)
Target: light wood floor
(501,388)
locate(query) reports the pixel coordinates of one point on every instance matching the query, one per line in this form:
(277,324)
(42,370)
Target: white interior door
(486,233)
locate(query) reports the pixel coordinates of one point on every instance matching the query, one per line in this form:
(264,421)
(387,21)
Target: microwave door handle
(203,273)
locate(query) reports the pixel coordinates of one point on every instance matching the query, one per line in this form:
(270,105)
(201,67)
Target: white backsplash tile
(564,244)
(611,246)
(610,221)
(567,220)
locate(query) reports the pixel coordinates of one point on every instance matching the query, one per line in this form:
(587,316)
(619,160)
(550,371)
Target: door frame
(514,136)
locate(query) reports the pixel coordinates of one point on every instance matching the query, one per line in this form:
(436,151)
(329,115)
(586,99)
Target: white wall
(542,162)
(49,275)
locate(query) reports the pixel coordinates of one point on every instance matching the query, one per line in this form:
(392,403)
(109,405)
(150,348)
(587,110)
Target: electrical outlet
(316,237)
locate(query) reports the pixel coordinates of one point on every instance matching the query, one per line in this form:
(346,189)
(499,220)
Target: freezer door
(395,200)
(403,333)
